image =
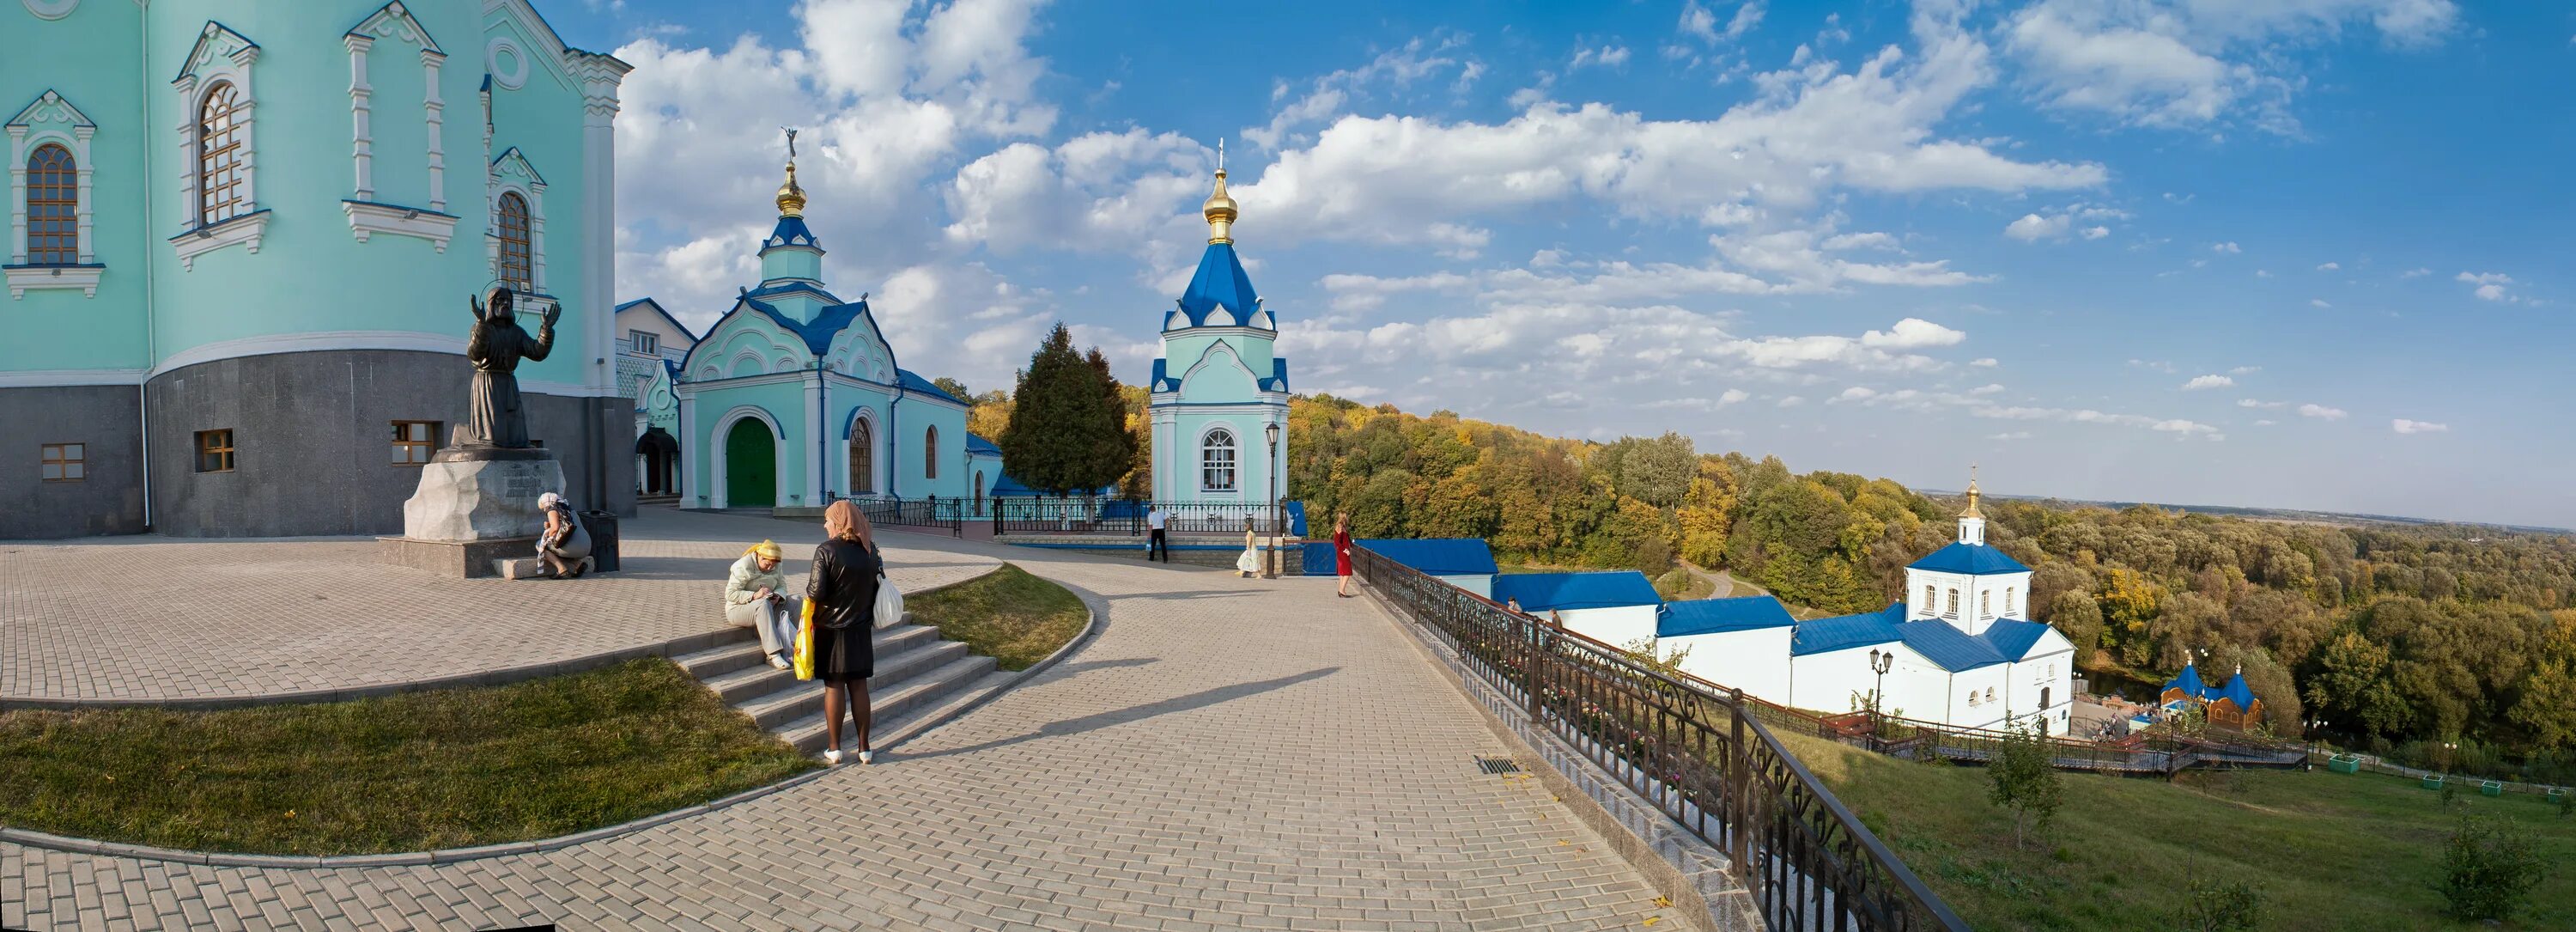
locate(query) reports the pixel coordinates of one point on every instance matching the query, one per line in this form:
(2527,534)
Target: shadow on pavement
(1200,699)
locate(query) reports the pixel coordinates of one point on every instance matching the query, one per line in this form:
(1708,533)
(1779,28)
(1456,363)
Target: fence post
(1529,671)
(1739,809)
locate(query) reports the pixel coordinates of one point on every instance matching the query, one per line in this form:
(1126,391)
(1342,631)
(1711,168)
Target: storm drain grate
(1497,765)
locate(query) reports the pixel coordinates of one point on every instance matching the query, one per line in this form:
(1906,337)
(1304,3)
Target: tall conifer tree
(1068,429)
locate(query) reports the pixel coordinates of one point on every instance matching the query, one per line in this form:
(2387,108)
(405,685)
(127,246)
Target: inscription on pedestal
(523,487)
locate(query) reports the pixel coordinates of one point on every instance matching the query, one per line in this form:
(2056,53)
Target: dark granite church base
(312,437)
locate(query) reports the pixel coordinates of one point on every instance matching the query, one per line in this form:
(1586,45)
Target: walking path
(1225,754)
(160,619)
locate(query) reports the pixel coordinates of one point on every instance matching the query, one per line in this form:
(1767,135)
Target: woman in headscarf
(843,589)
(565,547)
(755,597)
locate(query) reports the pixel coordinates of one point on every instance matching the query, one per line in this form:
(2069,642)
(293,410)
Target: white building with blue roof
(794,398)
(1217,386)
(1617,608)
(1963,655)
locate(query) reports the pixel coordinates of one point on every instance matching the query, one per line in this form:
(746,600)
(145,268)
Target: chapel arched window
(1216,461)
(513,222)
(219,156)
(53,207)
(930,452)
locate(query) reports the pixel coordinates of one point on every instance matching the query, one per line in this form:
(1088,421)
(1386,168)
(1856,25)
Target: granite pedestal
(475,505)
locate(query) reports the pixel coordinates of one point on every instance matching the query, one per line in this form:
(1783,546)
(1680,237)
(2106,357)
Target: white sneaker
(778,661)
(832,756)
(867,757)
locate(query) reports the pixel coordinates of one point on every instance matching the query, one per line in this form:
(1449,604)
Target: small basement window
(65,462)
(413,442)
(215,450)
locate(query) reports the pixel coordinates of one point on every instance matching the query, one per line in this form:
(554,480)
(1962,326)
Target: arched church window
(53,207)
(930,453)
(1952,609)
(1972,697)
(1927,598)
(2009,602)
(1216,461)
(219,156)
(513,221)
(1990,694)
(1986,604)
(863,459)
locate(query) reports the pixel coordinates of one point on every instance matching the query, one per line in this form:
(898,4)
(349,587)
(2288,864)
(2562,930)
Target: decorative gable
(50,111)
(392,21)
(217,41)
(512,166)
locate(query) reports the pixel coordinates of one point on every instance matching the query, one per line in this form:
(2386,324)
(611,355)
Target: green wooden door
(751,465)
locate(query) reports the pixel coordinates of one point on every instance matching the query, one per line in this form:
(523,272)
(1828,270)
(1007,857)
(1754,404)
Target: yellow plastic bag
(805,643)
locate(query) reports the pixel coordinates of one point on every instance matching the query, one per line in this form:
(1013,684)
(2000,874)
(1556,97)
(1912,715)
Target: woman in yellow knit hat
(756,597)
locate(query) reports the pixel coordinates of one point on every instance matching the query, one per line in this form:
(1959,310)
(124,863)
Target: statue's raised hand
(476,303)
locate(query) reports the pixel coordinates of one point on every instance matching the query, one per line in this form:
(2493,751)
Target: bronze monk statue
(494,416)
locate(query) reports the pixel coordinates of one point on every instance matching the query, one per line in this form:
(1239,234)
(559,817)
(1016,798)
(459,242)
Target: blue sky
(2298,253)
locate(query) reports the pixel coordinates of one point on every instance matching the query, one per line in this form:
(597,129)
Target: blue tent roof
(2189,682)
(2013,638)
(978,446)
(1710,616)
(791,231)
(1219,281)
(1539,592)
(1943,643)
(817,333)
(1448,556)
(2235,691)
(1832,634)
(1972,559)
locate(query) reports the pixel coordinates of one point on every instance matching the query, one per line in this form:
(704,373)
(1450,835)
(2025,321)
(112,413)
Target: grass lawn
(1013,617)
(2333,851)
(443,769)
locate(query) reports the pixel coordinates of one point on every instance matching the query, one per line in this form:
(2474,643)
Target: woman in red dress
(1342,553)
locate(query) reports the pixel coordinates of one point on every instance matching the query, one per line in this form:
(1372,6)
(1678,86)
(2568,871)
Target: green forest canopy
(2389,632)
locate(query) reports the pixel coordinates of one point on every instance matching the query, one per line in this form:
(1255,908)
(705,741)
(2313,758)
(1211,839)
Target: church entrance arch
(751,465)
(657,460)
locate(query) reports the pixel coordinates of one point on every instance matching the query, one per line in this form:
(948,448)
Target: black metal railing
(1103,515)
(948,514)
(1702,756)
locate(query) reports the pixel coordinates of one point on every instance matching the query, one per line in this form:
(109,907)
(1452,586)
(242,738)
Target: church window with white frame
(49,239)
(53,207)
(1216,461)
(220,164)
(512,219)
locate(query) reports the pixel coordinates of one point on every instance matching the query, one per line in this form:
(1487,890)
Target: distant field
(2334,851)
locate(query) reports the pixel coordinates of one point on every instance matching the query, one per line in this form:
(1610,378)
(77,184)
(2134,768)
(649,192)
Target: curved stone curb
(1011,680)
(35,839)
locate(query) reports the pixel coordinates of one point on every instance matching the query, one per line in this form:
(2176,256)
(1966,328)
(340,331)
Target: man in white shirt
(1155,542)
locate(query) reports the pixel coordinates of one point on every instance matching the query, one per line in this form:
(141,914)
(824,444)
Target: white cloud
(2404,426)
(2208,381)
(1699,22)
(2188,64)
(2318,302)
(1988,362)
(1607,56)
(2321,412)
(2228,247)
(2244,370)
(1792,401)
(2010,435)
(2490,285)
(2035,227)
(2096,232)
(2329,267)
(2265,422)
(1912,333)
(2252,403)
(1989,388)
(2158,365)
(2415,273)
(1327,96)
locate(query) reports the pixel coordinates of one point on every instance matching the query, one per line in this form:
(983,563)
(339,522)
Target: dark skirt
(842,654)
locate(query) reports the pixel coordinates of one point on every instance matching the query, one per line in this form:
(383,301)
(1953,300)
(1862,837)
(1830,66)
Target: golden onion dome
(791,199)
(1220,212)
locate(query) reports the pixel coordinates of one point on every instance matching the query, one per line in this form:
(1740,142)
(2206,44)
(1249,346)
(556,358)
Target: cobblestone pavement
(1225,754)
(158,618)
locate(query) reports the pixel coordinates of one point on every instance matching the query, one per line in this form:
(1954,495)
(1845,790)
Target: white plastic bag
(889,610)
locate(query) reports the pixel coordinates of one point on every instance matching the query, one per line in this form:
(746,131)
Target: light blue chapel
(1217,386)
(793,398)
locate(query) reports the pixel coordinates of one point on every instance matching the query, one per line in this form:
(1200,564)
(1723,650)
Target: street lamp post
(1879,662)
(1271,432)
(2311,727)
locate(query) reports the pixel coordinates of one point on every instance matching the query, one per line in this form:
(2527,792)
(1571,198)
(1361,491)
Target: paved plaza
(1225,754)
(160,619)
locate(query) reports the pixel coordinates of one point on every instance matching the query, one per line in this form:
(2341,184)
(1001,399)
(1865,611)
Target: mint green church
(1217,387)
(241,236)
(793,398)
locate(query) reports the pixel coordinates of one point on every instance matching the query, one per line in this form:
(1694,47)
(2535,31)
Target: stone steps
(916,672)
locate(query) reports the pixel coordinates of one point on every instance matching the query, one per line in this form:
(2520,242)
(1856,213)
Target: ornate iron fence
(1100,515)
(933,513)
(1702,756)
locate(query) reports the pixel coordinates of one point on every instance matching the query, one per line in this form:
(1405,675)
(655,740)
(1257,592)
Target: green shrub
(2221,906)
(2488,869)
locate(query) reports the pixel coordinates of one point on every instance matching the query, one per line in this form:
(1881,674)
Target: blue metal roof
(1971,559)
(1539,592)
(1848,631)
(2013,638)
(2189,682)
(978,446)
(818,332)
(1219,282)
(791,231)
(2235,691)
(1710,616)
(1448,556)
(913,382)
(1943,643)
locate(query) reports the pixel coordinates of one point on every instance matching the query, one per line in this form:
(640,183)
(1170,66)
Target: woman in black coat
(843,592)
